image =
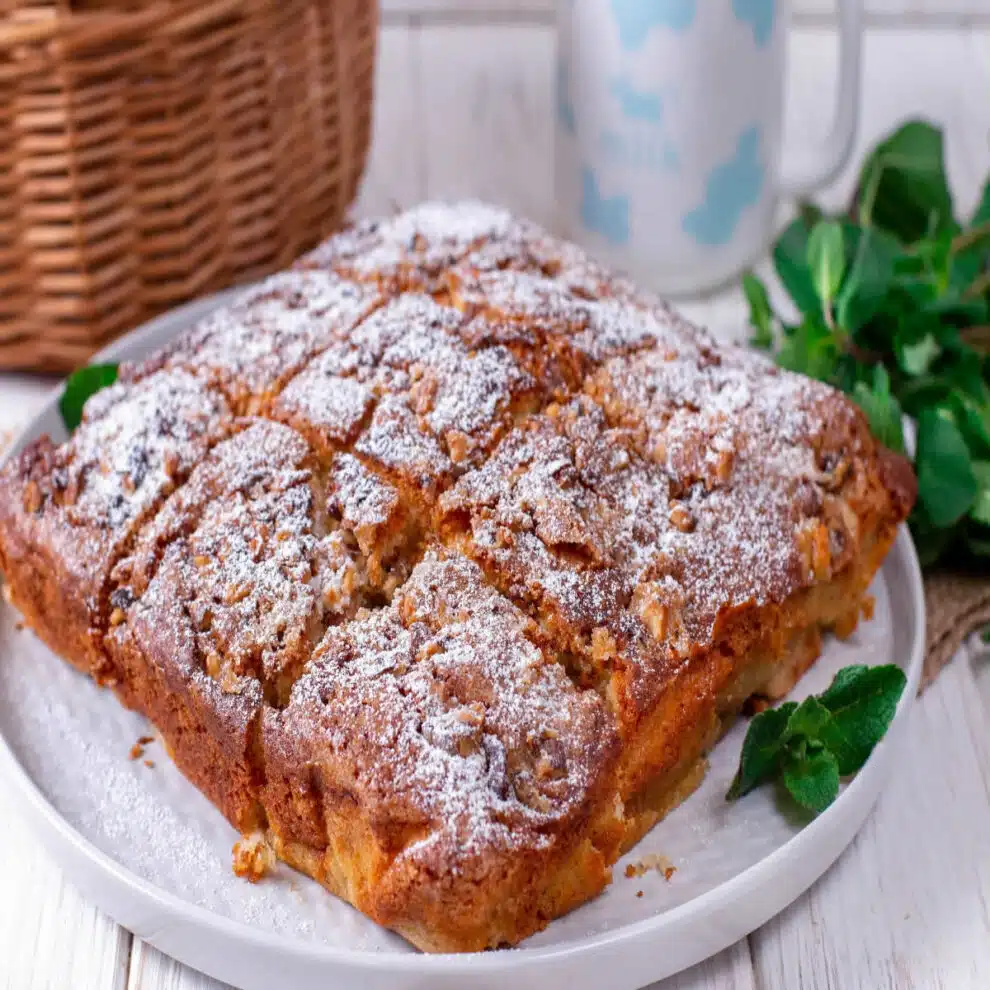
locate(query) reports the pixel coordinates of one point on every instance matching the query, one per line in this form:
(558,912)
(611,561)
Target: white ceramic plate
(155,855)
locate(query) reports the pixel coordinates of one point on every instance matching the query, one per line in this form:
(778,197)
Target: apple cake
(441,560)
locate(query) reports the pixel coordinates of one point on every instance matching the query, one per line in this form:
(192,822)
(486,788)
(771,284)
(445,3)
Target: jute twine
(956,605)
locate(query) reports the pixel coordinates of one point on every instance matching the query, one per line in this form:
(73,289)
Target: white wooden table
(464,108)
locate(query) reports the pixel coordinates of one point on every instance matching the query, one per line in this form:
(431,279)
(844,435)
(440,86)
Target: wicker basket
(155,150)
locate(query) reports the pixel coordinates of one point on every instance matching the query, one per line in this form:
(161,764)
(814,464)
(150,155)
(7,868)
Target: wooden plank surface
(150,970)
(905,908)
(466,110)
(50,937)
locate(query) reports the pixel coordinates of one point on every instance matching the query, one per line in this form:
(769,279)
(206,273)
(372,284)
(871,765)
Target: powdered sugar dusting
(248,561)
(252,346)
(570,516)
(84,501)
(324,404)
(137,442)
(413,247)
(359,496)
(395,440)
(473,726)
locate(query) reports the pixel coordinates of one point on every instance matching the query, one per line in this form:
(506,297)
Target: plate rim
(76,854)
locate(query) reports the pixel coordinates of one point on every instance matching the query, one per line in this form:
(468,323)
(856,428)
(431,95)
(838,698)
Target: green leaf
(915,356)
(926,390)
(826,259)
(866,284)
(882,409)
(981,470)
(916,292)
(973,420)
(811,349)
(982,214)
(809,213)
(807,719)
(935,254)
(980,510)
(79,387)
(903,187)
(946,483)
(978,541)
(813,781)
(761,749)
(955,311)
(862,701)
(760,311)
(930,543)
(790,259)
(981,507)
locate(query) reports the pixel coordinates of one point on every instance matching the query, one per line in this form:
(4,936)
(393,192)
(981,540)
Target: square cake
(442,559)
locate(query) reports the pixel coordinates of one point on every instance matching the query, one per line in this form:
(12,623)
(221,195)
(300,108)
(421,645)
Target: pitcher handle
(818,167)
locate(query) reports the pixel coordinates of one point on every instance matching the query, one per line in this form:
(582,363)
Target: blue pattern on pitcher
(636,104)
(636,18)
(606,216)
(730,188)
(758,14)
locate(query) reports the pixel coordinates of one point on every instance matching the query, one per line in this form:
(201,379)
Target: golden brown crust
(68,513)
(453,620)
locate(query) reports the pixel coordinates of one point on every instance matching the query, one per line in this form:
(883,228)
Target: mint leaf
(980,510)
(946,483)
(865,286)
(790,259)
(915,356)
(761,749)
(981,507)
(906,291)
(978,541)
(760,311)
(862,701)
(882,410)
(813,781)
(828,736)
(982,214)
(811,349)
(903,186)
(79,387)
(973,420)
(826,259)
(807,719)
(930,542)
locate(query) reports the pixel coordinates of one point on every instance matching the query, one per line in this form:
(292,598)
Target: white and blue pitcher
(669,132)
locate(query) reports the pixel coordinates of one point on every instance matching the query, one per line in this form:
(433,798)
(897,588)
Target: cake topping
(411,249)
(135,444)
(253,346)
(446,715)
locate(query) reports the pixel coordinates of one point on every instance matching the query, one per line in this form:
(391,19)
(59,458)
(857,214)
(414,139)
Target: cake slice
(69,512)
(436,767)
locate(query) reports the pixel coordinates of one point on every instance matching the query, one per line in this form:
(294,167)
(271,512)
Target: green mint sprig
(893,303)
(811,745)
(79,386)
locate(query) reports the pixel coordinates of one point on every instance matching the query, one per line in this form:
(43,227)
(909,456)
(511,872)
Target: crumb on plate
(651,861)
(253,857)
